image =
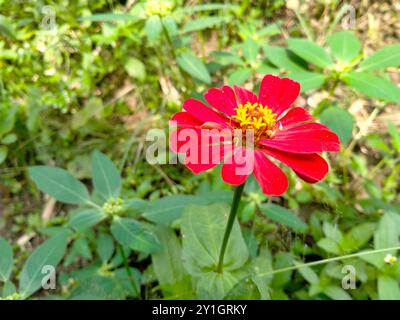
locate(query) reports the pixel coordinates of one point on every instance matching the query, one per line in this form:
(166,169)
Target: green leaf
(109,17)
(344,45)
(168,266)
(385,236)
(202,231)
(203,23)
(153,28)
(6,28)
(329,246)
(388,56)
(105,247)
(134,235)
(8,289)
(308,274)
(239,76)
(373,86)
(59,184)
(6,260)
(135,68)
(283,216)
(250,50)
(215,286)
(105,175)
(194,66)
(332,231)
(284,58)
(3,153)
(169,209)
(336,293)
(260,266)
(357,237)
(308,80)
(86,218)
(388,288)
(340,121)
(50,253)
(310,51)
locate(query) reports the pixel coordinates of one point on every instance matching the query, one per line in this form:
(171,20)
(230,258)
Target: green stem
(315,263)
(235,204)
(126,265)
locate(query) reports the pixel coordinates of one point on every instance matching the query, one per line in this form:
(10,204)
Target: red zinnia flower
(290,135)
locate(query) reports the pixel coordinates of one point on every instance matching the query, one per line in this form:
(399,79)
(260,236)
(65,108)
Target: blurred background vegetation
(81,75)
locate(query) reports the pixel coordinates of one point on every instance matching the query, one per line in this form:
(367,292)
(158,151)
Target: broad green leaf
(357,237)
(340,121)
(6,260)
(59,184)
(284,58)
(250,50)
(385,236)
(373,86)
(3,153)
(8,289)
(86,218)
(310,51)
(239,76)
(134,235)
(344,45)
(332,231)
(245,289)
(49,253)
(168,267)
(6,28)
(283,216)
(336,293)
(135,205)
(153,28)
(169,209)
(203,23)
(329,246)
(109,17)
(260,266)
(202,231)
(226,58)
(308,273)
(105,175)
(388,56)
(135,68)
(215,286)
(308,80)
(388,288)
(105,247)
(194,66)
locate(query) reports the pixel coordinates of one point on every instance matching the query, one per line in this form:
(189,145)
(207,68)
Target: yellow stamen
(257,117)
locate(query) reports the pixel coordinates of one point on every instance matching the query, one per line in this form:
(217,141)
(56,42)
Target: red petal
(310,167)
(200,111)
(295,116)
(204,148)
(244,95)
(278,93)
(307,138)
(206,157)
(185,119)
(270,177)
(222,99)
(236,168)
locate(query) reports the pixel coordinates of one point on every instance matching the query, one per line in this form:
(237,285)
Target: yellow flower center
(257,117)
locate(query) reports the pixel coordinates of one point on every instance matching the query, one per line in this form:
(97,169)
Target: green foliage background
(81,83)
